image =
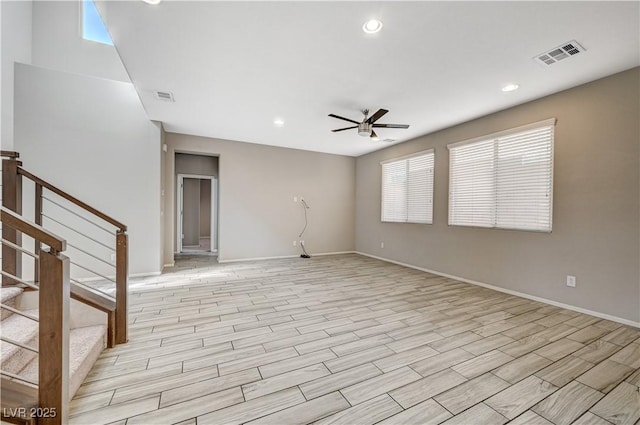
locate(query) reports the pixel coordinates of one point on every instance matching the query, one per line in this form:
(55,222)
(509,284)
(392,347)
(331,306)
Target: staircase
(85,344)
(44,359)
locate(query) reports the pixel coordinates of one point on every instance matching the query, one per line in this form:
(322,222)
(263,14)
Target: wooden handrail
(72,199)
(9,154)
(18,223)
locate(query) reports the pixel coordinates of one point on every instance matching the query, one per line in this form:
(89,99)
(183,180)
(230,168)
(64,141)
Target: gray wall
(91,137)
(257,183)
(595,219)
(15,37)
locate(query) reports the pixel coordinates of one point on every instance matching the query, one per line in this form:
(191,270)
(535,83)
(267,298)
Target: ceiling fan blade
(346,128)
(375,117)
(343,118)
(390,125)
(373,135)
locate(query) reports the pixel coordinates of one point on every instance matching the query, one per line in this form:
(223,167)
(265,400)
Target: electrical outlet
(571,281)
(113,258)
(295,243)
(382,245)
(295,199)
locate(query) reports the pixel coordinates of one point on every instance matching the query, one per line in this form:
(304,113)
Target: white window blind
(407,188)
(504,180)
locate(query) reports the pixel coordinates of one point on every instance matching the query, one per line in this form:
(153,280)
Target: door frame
(213,247)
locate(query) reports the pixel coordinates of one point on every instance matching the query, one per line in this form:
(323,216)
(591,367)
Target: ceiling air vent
(564,51)
(164,96)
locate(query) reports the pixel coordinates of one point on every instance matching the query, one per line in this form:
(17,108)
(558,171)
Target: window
(92,26)
(503,180)
(407,188)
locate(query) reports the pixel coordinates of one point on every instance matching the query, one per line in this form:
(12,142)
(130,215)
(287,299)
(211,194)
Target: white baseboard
(320,254)
(512,292)
(145,274)
(100,278)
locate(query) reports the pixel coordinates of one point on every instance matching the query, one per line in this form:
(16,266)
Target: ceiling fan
(365,128)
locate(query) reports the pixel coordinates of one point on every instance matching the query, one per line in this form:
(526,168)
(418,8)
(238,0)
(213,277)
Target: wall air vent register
(164,96)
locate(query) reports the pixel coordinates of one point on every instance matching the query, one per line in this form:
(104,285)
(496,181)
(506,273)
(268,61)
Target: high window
(407,188)
(503,180)
(93,28)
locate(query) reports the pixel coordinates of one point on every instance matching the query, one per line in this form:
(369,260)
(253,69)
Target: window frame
(494,138)
(82,25)
(406,158)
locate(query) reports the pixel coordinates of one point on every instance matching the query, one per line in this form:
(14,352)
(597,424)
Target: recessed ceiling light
(278,122)
(152,1)
(372,26)
(510,87)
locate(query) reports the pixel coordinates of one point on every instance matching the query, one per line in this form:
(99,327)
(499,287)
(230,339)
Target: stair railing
(96,280)
(48,404)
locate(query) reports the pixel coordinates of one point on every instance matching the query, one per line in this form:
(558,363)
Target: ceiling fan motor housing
(364,129)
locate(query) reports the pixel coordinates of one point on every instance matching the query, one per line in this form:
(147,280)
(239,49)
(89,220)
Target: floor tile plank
(567,404)
(481,364)
(375,386)
(471,392)
(253,409)
(305,413)
(367,413)
(480,414)
(519,397)
(521,367)
(426,413)
(605,376)
(339,380)
(425,388)
(190,409)
(620,406)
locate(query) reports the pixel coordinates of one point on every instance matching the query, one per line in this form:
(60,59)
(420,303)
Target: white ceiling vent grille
(564,51)
(164,96)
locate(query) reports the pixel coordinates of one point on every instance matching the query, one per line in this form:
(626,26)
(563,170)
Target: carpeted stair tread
(22,330)
(85,345)
(8,296)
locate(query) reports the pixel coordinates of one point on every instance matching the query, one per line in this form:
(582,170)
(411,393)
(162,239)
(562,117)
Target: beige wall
(257,183)
(196,164)
(595,219)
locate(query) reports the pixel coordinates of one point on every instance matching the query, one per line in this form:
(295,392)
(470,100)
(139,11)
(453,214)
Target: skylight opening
(93,28)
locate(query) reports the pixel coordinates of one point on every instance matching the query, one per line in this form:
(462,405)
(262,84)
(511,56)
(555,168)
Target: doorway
(197,214)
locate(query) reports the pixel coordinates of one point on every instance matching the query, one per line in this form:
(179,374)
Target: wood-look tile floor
(352,340)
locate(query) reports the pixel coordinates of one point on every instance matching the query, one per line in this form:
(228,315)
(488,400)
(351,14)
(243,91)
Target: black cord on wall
(305,207)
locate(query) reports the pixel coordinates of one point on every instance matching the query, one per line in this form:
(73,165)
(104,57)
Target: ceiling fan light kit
(365,128)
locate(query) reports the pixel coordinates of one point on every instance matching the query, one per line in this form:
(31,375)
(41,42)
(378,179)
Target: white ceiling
(234,67)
